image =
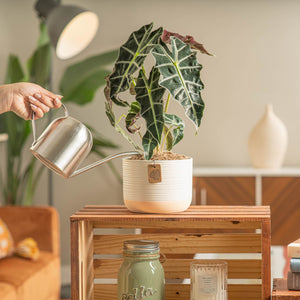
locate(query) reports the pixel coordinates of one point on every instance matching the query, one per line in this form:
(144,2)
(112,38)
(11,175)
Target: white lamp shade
(71,29)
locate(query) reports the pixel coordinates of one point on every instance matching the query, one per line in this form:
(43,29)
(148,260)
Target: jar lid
(141,245)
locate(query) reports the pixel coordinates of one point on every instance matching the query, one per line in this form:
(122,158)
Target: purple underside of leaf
(188,39)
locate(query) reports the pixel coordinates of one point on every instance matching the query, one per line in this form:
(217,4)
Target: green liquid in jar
(141,275)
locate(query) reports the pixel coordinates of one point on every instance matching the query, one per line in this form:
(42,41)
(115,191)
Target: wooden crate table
(229,231)
(280,291)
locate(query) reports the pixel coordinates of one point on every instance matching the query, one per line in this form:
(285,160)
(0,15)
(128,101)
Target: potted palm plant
(157,181)
(78,85)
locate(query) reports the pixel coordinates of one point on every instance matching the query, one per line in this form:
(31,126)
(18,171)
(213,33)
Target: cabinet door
(283,195)
(224,190)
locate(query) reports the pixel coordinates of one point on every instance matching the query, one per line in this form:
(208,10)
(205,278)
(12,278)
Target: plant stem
(167,103)
(122,116)
(130,140)
(165,138)
(139,133)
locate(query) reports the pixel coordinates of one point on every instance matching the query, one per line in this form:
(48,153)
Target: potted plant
(78,85)
(158,181)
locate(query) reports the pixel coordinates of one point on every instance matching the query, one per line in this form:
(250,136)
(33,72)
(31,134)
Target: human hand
(23,98)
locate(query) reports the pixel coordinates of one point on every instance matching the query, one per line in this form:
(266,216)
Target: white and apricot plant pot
(172,194)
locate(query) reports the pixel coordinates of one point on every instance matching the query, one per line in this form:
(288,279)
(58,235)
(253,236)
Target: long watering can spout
(64,144)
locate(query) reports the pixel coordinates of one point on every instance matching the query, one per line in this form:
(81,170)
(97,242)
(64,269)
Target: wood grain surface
(283,196)
(225,190)
(97,249)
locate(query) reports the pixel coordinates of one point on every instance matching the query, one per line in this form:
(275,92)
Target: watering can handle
(33,123)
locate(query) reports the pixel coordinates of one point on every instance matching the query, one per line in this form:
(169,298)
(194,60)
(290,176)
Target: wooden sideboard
(248,186)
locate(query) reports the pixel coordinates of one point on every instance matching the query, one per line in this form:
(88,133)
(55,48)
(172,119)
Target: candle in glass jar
(209,280)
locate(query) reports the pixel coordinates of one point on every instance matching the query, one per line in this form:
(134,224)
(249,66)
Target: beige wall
(257,48)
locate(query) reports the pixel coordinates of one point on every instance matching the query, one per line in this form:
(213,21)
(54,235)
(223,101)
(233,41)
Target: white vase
(268,141)
(172,194)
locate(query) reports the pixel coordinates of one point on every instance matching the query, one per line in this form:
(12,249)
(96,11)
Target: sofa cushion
(7,291)
(28,248)
(37,279)
(6,241)
(39,223)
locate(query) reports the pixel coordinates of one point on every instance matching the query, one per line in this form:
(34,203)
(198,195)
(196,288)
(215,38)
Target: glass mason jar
(141,275)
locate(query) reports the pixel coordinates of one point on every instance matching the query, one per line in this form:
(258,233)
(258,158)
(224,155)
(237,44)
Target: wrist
(5,98)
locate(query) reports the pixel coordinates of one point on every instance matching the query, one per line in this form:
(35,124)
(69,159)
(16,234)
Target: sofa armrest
(40,223)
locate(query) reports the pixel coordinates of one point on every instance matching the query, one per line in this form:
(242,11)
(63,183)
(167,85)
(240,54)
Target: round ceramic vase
(172,194)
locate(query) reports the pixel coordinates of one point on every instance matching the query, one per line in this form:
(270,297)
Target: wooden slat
(180,268)
(182,292)
(266,257)
(244,210)
(82,261)
(176,224)
(244,292)
(196,230)
(241,213)
(184,243)
(75,265)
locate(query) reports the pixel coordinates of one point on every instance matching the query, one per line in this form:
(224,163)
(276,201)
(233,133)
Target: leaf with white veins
(149,94)
(131,57)
(180,76)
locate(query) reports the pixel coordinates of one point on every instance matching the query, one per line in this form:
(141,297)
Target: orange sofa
(23,279)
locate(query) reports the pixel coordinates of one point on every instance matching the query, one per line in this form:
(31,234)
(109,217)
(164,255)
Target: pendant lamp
(71,28)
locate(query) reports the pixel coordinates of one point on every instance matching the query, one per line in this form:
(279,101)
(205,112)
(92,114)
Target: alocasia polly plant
(175,75)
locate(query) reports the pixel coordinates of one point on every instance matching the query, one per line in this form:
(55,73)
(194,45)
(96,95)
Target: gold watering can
(64,144)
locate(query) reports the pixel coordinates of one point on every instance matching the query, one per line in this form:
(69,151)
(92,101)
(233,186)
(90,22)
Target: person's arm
(23,98)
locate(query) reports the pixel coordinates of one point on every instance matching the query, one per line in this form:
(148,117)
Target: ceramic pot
(172,194)
(268,141)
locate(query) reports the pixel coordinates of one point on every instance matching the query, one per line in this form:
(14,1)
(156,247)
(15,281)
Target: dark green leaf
(181,76)
(80,81)
(149,94)
(149,144)
(169,138)
(14,72)
(99,140)
(110,114)
(43,37)
(85,92)
(131,57)
(132,116)
(39,65)
(176,128)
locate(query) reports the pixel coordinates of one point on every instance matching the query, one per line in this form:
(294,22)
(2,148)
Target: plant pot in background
(172,194)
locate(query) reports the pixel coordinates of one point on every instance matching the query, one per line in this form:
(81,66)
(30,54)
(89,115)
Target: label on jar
(207,284)
(139,293)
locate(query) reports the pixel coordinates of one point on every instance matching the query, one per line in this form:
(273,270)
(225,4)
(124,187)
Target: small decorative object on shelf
(293,278)
(268,141)
(280,291)
(293,249)
(209,280)
(141,274)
